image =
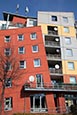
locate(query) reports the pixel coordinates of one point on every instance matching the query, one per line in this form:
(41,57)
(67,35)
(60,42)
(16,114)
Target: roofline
(17,15)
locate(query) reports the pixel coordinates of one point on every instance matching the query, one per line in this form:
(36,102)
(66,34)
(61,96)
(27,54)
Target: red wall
(20,101)
(19,20)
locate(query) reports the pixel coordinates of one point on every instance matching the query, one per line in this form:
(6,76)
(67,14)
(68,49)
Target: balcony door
(38,103)
(39,81)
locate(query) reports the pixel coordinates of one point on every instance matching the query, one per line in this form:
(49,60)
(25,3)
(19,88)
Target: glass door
(38,103)
(39,80)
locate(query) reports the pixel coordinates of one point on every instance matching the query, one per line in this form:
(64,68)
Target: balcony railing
(59,110)
(51,87)
(52,32)
(53,110)
(54,70)
(12,25)
(53,56)
(39,110)
(52,43)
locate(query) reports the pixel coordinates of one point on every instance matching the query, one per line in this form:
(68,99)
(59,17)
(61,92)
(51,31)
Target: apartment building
(45,51)
(60,43)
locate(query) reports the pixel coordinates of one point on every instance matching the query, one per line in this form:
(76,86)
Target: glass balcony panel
(52,43)
(54,56)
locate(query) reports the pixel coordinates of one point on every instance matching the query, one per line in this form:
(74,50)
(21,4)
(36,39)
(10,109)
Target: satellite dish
(57,66)
(55,28)
(57,50)
(56,39)
(31,78)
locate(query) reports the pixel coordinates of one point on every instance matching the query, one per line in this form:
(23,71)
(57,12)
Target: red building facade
(26,45)
(32,91)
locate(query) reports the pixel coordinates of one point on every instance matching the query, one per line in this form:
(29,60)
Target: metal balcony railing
(53,56)
(51,87)
(54,70)
(52,43)
(53,110)
(52,32)
(39,110)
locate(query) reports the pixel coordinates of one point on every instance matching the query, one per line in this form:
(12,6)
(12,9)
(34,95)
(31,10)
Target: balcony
(53,56)
(52,32)
(52,43)
(51,87)
(39,110)
(54,71)
(11,25)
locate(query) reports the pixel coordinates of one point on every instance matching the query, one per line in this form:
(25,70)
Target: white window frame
(73,79)
(8,106)
(7,51)
(71,65)
(66,29)
(21,52)
(54,18)
(24,64)
(8,82)
(38,63)
(7,38)
(9,64)
(69,52)
(67,40)
(65,19)
(33,36)
(39,80)
(36,48)
(22,38)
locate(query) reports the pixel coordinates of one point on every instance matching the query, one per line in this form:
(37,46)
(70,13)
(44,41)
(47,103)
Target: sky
(38,5)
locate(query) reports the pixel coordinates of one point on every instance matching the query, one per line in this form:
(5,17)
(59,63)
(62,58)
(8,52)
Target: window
(3,26)
(7,51)
(7,66)
(39,80)
(35,48)
(19,25)
(72,79)
(33,36)
(7,38)
(68,40)
(8,103)
(66,29)
(36,62)
(71,65)
(8,82)
(38,103)
(69,52)
(22,64)
(21,50)
(65,19)
(20,37)
(54,18)
(32,22)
